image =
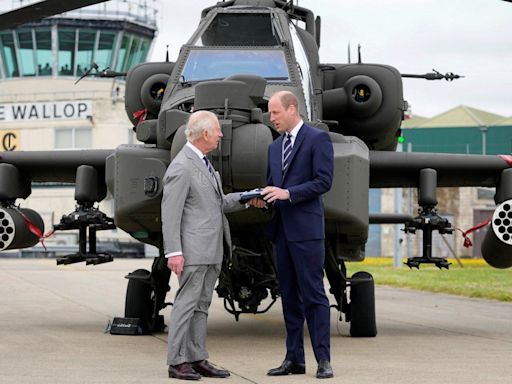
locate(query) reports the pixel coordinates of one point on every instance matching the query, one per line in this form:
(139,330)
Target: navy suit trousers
(300,274)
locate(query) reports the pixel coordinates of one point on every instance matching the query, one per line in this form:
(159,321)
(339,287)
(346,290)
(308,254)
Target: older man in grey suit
(194,228)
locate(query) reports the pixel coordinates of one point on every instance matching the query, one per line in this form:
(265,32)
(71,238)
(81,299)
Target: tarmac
(53,320)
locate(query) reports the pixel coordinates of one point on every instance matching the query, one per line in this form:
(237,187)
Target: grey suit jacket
(193,207)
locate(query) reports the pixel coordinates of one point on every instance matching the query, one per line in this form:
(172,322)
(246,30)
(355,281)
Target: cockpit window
(208,64)
(240,30)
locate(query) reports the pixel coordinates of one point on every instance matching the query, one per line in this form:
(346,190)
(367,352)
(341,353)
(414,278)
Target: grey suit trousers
(190,313)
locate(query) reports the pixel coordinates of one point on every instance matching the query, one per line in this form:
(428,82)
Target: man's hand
(175,264)
(271,194)
(258,203)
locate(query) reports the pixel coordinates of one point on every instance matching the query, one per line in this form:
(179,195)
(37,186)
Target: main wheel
(138,300)
(362,305)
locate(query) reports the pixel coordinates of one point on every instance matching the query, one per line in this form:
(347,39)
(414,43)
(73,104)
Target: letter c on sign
(9,141)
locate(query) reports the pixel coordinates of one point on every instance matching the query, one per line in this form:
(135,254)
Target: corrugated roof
(505,121)
(461,116)
(414,121)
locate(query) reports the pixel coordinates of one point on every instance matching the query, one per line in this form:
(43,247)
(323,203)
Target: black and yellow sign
(10,140)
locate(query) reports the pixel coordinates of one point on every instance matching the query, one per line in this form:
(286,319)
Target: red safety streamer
(35,229)
(140,115)
(507,158)
(467,240)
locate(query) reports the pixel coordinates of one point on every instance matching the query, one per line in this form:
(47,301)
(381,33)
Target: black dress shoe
(324,370)
(204,368)
(288,367)
(183,372)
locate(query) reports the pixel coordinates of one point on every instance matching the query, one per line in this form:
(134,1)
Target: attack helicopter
(242,52)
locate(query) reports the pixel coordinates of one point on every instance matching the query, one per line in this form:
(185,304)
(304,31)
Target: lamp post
(484,129)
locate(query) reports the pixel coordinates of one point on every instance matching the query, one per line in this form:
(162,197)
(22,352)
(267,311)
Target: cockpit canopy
(240,41)
(208,64)
(238,29)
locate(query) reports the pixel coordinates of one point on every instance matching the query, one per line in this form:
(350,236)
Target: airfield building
(43,108)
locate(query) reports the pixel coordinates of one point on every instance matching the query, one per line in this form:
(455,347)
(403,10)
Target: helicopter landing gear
(360,311)
(362,305)
(145,296)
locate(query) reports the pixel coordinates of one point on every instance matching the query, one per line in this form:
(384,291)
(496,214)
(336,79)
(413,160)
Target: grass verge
(474,279)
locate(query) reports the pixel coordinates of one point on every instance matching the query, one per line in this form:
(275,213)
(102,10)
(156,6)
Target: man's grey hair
(198,122)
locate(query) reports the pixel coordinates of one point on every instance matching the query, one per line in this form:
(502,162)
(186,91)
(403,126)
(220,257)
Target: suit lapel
(198,163)
(298,142)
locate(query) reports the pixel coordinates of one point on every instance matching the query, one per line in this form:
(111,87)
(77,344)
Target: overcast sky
(471,38)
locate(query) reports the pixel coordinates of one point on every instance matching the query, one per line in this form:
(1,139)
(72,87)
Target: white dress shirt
(294,132)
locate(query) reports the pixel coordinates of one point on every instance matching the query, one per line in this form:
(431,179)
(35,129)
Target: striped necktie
(287,151)
(208,165)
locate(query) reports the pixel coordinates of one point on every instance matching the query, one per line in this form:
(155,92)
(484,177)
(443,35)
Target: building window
(103,55)
(9,55)
(86,42)
(133,51)
(121,56)
(26,52)
(66,52)
(486,193)
(73,138)
(44,52)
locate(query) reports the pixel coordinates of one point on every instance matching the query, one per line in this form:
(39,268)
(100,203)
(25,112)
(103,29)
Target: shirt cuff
(167,255)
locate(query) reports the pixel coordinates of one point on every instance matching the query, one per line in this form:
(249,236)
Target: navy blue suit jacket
(308,176)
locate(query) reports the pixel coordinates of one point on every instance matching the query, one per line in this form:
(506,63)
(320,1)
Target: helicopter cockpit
(213,54)
(240,28)
(209,64)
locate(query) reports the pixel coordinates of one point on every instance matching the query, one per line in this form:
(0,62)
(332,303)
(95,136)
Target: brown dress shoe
(204,368)
(183,372)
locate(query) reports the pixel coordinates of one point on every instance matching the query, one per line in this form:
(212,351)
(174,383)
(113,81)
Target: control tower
(115,34)
(41,107)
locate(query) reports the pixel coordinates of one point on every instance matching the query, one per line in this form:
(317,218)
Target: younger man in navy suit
(300,170)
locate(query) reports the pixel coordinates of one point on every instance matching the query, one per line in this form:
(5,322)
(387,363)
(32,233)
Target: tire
(138,301)
(362,305)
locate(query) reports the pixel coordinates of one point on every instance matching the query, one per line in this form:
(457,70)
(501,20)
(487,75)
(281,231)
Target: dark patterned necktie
(208,165)
(287,151)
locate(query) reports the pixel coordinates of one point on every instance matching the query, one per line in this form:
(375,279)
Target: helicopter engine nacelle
(367,102)
(145,87)
(15,228)
(497,244)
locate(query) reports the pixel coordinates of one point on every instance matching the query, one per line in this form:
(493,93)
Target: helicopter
(242,52)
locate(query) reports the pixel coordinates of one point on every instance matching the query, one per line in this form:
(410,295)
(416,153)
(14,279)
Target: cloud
(473,38)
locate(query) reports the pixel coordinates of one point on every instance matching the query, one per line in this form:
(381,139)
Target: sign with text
(10,140)
(58,110)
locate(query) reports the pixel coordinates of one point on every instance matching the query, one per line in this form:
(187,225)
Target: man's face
(283,119)
(212,138)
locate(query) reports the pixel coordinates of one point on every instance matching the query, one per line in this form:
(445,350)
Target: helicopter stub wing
(401,169)
(55,166)
(427,171)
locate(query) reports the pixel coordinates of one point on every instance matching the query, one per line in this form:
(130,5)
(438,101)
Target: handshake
(260,197)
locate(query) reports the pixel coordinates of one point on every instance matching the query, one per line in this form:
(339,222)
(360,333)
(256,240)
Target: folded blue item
(249,195)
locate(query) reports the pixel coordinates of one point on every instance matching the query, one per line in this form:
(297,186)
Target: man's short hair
(198,122)
(287,99)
